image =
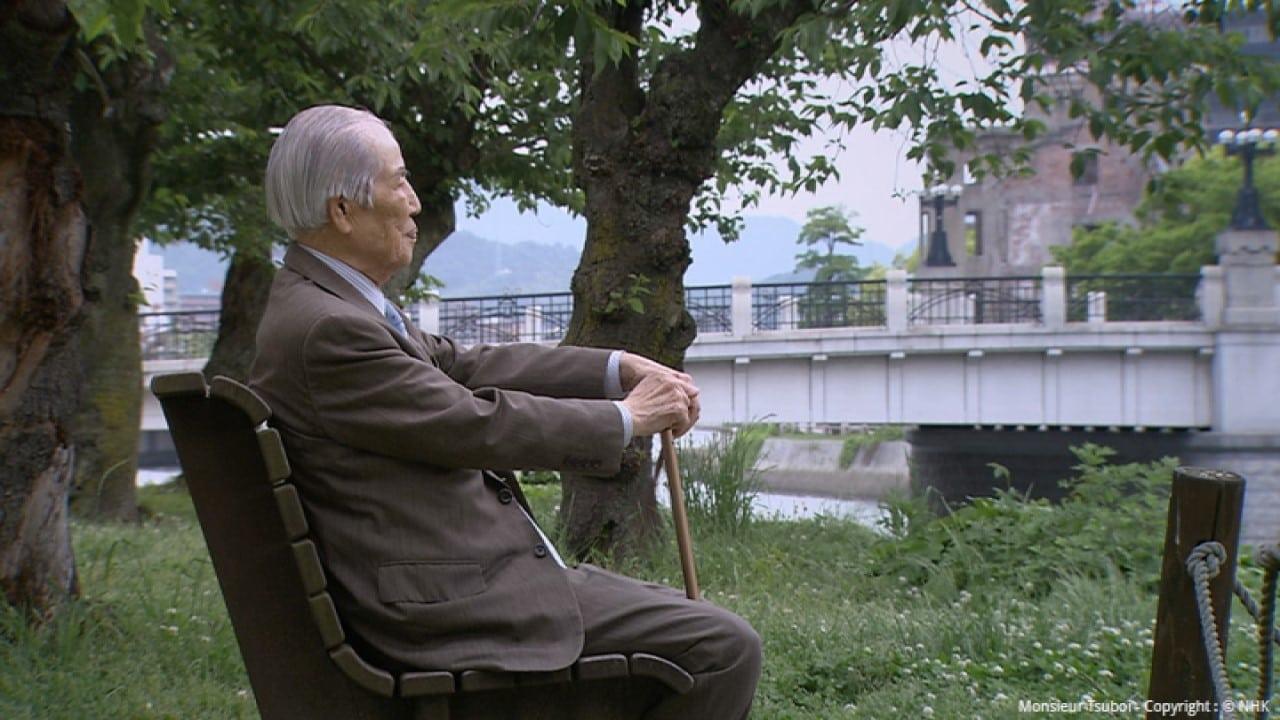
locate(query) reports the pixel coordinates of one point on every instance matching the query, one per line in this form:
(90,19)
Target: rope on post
(1269,558)
(1204,563)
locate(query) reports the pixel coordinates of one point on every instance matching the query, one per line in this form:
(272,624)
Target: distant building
(196,302)
(1008,226)
(158,284)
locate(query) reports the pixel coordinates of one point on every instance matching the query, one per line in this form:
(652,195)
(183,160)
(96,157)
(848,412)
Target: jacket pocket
(429,581)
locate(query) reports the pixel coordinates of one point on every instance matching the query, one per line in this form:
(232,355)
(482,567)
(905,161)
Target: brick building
(1006,226)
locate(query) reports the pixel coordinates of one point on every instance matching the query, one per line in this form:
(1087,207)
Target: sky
(876,180)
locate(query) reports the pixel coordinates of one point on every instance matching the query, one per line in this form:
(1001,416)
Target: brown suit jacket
(431,563)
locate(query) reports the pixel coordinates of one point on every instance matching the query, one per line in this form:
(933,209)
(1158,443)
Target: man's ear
(338,210)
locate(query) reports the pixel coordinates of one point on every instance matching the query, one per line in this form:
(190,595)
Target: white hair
(323,153)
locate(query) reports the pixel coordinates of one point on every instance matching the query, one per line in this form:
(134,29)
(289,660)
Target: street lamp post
(941,196)
(1249,144)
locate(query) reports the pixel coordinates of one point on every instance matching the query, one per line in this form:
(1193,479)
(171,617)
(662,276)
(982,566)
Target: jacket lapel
(314,269)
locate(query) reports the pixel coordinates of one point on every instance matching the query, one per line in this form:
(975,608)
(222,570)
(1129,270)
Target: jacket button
(505,496)
(540,550)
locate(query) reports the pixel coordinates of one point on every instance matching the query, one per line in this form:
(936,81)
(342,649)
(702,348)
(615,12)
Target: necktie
(394,318)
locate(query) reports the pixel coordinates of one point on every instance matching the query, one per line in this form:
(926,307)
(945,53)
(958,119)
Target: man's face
(383,235)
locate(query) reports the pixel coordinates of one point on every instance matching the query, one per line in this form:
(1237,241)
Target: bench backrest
(295,650)
(289,634)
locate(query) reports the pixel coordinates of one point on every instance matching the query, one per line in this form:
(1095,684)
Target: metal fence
(506,318)
(178,335)
(799,306)
(711,307)
(974,301)
(1132,298)
(774,307)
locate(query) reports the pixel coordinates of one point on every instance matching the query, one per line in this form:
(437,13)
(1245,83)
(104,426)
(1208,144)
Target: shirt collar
(358,280)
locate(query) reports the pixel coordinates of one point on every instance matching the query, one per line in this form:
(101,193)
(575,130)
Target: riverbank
(855,625)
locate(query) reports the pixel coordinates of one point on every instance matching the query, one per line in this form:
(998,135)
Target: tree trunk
(113,139)
(41,264)
(640,156)
(244,297)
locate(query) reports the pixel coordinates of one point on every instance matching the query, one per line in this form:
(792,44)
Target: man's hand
(663,401)
(634,368)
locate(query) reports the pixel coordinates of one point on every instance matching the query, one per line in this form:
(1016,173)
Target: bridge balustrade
(178,335)
(1133,298)
(975,301)
(800,306)
(744,308)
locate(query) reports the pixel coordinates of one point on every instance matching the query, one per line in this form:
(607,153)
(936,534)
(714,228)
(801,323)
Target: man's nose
(415,206)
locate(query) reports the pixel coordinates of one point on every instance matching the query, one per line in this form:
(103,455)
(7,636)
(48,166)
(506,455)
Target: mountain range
(470,262)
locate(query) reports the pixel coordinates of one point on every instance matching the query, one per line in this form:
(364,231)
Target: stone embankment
(794,466)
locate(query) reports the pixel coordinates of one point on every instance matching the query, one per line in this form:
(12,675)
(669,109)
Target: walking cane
(676,485)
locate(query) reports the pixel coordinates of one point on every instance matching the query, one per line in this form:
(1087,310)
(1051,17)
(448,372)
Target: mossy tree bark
(41,294)
(640,155)
(114,133)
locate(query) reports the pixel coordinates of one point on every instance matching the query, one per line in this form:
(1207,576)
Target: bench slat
(326,617)
(273,455)
(550,677)
(423,684)
(362,673)
(308,560)
(178,384)
(601,667)
(295,520)
(241,397)
(477,680)
(662,670)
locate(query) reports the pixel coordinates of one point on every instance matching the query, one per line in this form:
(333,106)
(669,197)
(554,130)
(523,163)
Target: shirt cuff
(627,425)
(613,378)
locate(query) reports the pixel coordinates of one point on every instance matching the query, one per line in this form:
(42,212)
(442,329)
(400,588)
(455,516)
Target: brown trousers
(718,648)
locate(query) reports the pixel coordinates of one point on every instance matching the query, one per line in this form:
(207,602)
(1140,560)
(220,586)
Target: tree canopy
(1178,221)
(824,231)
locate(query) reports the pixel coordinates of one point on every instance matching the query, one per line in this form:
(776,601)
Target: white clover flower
(927,711)
(1106,673)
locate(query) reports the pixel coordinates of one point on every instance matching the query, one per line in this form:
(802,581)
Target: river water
(767,504)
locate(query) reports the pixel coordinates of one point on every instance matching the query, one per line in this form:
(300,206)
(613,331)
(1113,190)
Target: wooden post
(1205,505)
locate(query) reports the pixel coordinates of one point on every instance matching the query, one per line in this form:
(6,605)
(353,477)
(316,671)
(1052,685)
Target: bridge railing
(799,306)
(975,301)
(896,303)
(1133,298)
(506,318)
(178,335)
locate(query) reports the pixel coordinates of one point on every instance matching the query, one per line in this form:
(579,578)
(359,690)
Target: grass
(843,638)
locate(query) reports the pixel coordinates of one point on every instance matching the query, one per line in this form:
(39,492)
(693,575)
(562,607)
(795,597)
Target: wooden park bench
(300,661)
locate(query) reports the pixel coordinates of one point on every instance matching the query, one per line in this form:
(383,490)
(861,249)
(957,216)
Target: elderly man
(395,435)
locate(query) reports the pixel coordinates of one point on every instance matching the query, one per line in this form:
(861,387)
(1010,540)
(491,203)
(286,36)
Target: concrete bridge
(1186,365)
(1049,353)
